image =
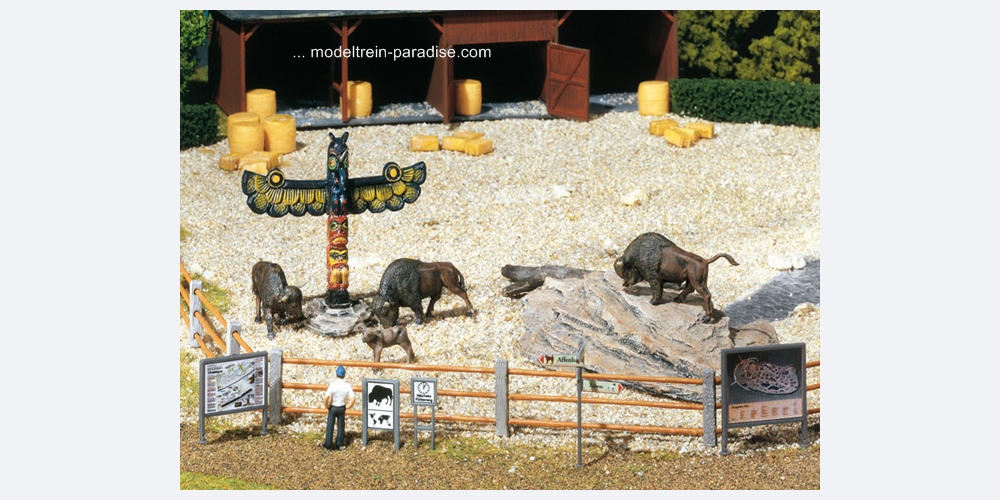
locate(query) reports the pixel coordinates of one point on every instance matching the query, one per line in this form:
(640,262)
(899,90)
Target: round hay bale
(361,98)
(468,97)
(241,117)
(262,101)
(246,137)
(279,133)
(654,98)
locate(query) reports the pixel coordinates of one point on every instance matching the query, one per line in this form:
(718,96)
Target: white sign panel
(381,403)
(424,391)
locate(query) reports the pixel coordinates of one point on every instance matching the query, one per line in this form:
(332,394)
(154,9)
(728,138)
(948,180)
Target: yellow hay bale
(254,164)
(654,98)
(467,134)
(468,97)
(691,133)
(705,130)
(657,127)
(424,143)
(262,101)
(241,117)
(271,158)
(451,143)
(676,137)
(480,146)
(361,98)
(279,133)
(230,162)
(246,137)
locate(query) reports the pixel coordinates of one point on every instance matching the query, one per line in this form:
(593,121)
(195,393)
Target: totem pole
(337,196)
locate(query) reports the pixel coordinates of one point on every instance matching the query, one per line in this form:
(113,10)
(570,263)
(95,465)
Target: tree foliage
(749,44)
(787,54)
(194,31)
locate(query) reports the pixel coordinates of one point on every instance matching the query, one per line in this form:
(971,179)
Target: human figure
(339,397)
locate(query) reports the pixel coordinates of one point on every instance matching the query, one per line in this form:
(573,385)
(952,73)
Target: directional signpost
(575,360)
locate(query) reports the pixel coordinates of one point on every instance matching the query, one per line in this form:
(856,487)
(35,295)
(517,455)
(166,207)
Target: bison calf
(406,282)
(273,296)
(388,337)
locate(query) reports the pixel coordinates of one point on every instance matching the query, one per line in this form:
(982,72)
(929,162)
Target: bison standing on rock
(655,259)
(273,296)
(406,282)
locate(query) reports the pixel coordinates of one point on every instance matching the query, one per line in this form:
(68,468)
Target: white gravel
(752,191)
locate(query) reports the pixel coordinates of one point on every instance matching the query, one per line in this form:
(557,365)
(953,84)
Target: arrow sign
(559,360)
(602,386)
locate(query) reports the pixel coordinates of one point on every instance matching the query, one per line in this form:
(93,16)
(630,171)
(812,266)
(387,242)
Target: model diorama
(621,320)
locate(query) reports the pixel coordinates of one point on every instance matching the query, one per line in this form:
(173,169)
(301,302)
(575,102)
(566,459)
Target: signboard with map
(763,385)
(231,384)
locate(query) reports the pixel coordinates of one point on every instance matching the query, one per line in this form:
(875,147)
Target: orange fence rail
(204,321)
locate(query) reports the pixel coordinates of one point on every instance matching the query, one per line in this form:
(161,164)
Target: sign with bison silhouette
(380,407)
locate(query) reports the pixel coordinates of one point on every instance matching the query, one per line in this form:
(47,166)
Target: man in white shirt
(339,397)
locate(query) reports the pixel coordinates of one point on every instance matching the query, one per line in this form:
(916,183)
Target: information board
(380,407)
(231,384)
(763,385)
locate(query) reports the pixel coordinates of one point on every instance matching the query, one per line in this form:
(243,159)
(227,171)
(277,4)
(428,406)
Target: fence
(198,324)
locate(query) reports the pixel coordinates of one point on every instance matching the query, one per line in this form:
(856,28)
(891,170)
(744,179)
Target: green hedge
(745,101)
(199,125)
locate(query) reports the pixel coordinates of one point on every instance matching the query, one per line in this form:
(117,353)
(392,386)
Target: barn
(562,58)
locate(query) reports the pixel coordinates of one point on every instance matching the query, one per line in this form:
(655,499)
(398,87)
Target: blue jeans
(335,412)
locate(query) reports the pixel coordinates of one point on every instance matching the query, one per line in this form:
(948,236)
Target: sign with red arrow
(559,360)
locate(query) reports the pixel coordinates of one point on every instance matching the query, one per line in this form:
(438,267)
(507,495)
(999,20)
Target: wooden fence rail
(232,329)
(517,422)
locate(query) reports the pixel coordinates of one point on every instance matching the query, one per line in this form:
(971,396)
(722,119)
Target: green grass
(189,381)
(185,234)
(193,481)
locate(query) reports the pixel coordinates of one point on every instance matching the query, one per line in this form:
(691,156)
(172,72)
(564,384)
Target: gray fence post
(195,307)
(503,410)
(232,346)
(274,386)
(708,412)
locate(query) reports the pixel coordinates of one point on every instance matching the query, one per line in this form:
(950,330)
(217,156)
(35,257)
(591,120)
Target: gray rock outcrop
(623,333)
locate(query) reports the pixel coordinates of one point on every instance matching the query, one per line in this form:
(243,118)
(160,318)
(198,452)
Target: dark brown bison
(406,282)
(388,337)
(641,261)
(273,296)
(672,265)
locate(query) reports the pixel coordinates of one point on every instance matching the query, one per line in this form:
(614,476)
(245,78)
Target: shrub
(199,125)
(742,101)
(194,31)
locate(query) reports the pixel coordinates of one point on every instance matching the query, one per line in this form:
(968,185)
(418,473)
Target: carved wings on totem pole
(276,196)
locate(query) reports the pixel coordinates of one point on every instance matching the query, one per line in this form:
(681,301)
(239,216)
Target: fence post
(195,307)
(503,410)
(232,346)
(708,412)
(274,386)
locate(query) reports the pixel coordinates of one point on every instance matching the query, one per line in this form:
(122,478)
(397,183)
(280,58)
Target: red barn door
(567,82)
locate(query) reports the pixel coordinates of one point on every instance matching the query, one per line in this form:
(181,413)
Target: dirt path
(289,462)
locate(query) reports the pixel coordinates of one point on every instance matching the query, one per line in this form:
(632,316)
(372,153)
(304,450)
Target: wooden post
(274,386)
(232,346)
(193,307)
(503,410)
(708,413)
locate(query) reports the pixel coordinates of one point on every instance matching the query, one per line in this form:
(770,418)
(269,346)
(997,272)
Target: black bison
(406,282)
(380,394)
(273,296)
(640,262)
(672,265)
(388,337)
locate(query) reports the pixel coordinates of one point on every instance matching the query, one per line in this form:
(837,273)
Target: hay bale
(262,101)
(279,133)
(654,98)
(468,97)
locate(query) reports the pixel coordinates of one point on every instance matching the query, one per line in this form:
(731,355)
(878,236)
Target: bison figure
(388,337)
(406,282)
(657,260)
(273,297)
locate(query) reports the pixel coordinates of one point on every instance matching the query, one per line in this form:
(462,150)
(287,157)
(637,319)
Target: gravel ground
(551,193)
